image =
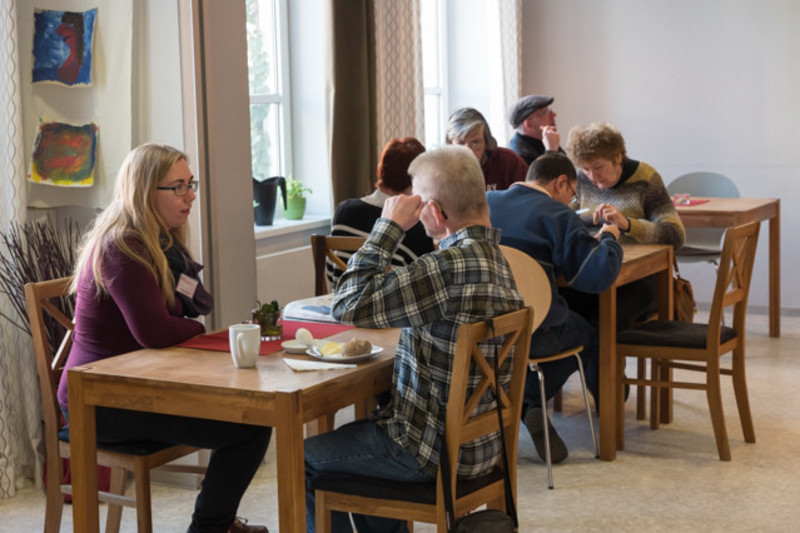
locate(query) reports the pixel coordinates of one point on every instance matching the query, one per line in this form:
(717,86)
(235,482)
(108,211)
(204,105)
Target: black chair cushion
(672,333)
(385,489)
(139,448)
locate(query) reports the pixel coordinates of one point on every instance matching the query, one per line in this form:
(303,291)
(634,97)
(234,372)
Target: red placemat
(690,203)
(219,341)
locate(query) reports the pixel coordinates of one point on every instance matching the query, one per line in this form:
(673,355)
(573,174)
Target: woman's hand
(610,214)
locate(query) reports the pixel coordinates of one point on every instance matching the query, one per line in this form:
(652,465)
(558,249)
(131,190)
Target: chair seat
(138,448)
(385,489)
(672,333)
(699,250)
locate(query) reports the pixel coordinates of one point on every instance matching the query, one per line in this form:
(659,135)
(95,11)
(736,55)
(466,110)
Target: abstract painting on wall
(64,155)
(62,46)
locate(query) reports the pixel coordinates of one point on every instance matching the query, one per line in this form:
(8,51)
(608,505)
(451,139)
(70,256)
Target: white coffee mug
(245,341)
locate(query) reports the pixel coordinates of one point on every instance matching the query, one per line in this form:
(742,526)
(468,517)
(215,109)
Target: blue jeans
(361,447)
(237,453)
(547,341)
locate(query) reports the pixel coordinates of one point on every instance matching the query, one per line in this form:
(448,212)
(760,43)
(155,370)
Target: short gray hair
(463,121)
(452,176)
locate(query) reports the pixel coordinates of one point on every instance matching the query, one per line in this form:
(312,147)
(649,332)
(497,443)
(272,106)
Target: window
(268,79)
(434,68)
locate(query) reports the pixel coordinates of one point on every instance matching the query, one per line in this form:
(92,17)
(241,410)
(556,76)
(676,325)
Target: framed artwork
(64,155)
(62,47)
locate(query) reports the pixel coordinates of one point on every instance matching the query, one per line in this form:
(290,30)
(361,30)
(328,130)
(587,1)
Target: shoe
(240,526)
(558,450)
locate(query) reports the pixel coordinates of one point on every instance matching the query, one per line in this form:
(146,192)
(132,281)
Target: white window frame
(440,90)
(283,85)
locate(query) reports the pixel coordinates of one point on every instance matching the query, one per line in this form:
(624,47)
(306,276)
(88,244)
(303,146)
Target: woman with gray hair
(501,167)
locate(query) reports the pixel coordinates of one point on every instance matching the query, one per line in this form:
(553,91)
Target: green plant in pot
(295,199)
(268,316)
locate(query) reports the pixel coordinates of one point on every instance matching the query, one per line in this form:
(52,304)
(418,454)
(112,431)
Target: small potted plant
(268,316)
(295,199)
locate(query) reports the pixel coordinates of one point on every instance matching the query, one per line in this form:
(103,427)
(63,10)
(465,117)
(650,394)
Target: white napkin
(299,365)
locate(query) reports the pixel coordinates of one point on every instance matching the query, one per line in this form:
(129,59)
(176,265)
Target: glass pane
(264,140)
(433,134)
(429,22)
(261,46)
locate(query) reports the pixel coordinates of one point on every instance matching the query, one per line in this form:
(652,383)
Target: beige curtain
(505,43)
(398,52)
(20,419)
(353,116)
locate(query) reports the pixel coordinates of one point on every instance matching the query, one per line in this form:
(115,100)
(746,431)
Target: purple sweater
(131,316)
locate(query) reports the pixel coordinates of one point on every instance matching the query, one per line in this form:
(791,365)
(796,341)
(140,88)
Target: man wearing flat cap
(535,123)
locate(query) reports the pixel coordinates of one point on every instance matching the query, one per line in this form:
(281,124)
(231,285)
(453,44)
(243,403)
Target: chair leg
(641,399)
(54,506)
(323,515)
(588,409)
(620,400)
(546,429)
(655,393)
(117,486)
(742,400)
(144,518)
(714,395)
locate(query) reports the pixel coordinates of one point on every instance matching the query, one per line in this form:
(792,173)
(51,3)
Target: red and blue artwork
(62,46)
(64,155)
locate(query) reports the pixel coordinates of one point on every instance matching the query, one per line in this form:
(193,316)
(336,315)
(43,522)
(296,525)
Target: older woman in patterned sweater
(629,193)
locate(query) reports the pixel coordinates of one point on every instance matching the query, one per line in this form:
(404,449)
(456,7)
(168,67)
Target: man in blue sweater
(535,218)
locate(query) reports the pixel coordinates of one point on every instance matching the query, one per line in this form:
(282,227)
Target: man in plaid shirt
(465,280)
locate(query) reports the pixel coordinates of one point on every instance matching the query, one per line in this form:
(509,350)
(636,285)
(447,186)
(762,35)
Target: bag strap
(445,459)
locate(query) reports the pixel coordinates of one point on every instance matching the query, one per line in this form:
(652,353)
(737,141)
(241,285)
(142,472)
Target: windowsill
(282,226)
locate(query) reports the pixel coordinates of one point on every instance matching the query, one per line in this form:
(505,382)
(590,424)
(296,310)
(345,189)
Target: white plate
(294,347)
(339,358)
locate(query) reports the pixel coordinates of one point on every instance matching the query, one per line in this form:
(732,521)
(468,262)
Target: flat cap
(525,106)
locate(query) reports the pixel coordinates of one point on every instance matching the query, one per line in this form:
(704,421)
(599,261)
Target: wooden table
(191,382)
(639,261)
(726,212)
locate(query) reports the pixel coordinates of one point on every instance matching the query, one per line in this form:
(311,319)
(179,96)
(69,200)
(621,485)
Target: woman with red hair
(357,215)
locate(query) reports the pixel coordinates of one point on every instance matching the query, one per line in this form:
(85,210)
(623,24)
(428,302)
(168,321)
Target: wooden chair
(325,249)
(136,457)
(693,346)
(534,285)
(423,502)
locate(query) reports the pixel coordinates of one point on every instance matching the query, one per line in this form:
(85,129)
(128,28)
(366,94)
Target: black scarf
(180,263)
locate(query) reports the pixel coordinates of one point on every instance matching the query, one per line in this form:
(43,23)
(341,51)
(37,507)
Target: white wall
(692,85)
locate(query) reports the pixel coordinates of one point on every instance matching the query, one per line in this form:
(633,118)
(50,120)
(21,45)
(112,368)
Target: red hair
(393,166)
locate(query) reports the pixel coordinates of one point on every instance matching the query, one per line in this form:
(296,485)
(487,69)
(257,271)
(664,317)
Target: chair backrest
(704,184)
(462,424)
(40,298)
(733,278)
(708,184)
(532,282)
(324,249)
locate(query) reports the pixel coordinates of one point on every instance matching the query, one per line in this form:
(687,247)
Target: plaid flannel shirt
(466,280)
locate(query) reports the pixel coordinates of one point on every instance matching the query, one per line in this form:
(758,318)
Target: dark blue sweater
(555,236)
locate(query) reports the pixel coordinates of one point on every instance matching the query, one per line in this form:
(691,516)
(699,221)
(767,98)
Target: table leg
(665,310)
(291,465)
(607,341)
(83,457)
(775,273)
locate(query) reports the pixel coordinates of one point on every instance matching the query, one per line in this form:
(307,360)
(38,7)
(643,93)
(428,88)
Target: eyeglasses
(182,189)
(574,197)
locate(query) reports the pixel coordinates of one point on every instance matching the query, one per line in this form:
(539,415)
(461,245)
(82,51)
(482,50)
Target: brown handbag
(684,306)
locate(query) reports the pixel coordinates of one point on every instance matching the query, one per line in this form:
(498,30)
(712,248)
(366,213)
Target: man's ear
(561,183)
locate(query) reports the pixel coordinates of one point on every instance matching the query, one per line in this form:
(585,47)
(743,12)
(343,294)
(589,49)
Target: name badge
(187,286)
